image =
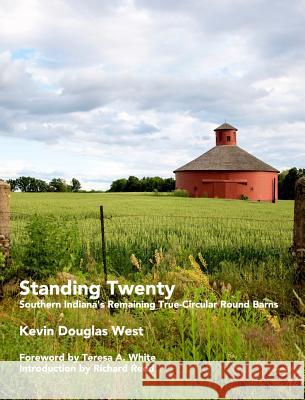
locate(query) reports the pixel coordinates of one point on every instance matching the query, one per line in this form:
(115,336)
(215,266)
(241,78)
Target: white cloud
(137,87)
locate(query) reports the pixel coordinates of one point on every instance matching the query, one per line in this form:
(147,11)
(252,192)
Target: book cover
(152,199)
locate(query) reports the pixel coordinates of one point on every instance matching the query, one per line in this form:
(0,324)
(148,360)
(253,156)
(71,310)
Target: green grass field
(245,244)
(140,223)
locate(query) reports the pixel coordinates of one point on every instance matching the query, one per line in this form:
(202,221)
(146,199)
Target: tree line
(134,184)
(286,185)
(287,181)
(30,184)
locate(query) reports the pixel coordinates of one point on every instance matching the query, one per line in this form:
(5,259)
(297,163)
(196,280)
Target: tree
(75,185)
(146,184)
(58,185)
(24,183)
(40,186)
(169,184)
(118,186)
(287,181)
(281,179)
(133,184)
(30,184)
(14,184)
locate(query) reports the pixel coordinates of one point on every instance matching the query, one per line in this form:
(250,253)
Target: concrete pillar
(5,216)
(299,232)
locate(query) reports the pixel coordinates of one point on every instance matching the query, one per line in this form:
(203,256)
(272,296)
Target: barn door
(219,190)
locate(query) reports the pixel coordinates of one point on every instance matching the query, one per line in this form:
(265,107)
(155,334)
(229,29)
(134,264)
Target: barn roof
(226,158)
(226,126)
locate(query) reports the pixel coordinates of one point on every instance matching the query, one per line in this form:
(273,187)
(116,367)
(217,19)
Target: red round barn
(228,172)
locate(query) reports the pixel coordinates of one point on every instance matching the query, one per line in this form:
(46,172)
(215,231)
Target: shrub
(180,193)
(244,197)
(2,260)
(2,267)
(49,248)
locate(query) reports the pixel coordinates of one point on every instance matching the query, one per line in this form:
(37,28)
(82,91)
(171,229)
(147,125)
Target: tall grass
(234,231)
(240,252)
(244,242)
(170,334)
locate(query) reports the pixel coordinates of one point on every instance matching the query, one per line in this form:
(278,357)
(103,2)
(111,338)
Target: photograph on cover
(152,199)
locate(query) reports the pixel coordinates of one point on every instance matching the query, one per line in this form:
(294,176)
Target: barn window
(228,138)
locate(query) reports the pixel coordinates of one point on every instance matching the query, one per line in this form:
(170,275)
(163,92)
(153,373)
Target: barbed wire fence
(174,223)
(108,230)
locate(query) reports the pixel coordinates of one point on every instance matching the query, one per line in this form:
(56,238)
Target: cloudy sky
(102,89)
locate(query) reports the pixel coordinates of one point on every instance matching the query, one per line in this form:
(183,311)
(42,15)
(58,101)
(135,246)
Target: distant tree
(40,186)
(169,184)
(133,184)
(287,181)
(146,184)
(14,184)
(58,185)
(30,184)
(75,185)
(118,186)
(156,183)
(24,183)
(281,179)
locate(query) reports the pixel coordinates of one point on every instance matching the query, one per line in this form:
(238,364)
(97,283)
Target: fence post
(5,217)
(298,248)
(103,241)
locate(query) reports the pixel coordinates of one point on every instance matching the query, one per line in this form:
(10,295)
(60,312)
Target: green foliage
(8,271)
(214,335)
(251,238)
(259,279)
(30,184)
(244,243)
(2,267)
(118,186)
(75,185)
(13,183)
(239,232)
(134,184)
(183,334)
(58,185)
(287,181)
(2,260)
(49,248)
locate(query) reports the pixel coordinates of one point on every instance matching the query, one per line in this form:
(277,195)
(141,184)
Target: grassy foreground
(240,251)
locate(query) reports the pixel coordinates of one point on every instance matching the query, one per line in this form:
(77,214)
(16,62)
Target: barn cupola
(226,135)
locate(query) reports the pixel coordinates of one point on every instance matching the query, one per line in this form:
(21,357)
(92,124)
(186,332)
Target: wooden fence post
(298,248)
(5,217)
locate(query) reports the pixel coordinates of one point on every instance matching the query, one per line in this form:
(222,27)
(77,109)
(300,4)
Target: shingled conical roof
(226,158)
(225,126)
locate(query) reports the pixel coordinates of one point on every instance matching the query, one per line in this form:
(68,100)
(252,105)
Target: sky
(104,89)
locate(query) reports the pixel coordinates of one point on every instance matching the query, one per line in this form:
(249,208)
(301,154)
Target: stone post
(5,216)
(298,248)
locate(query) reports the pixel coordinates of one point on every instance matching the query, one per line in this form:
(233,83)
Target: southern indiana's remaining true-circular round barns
(229,172)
